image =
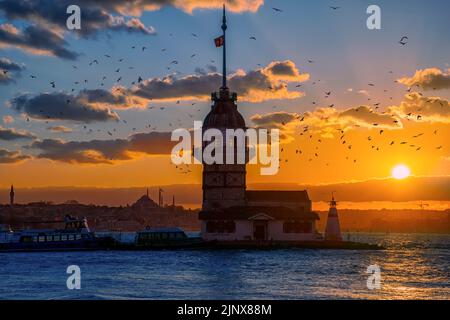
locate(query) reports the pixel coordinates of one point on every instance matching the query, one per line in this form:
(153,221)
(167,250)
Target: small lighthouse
(11,196)
(333,230)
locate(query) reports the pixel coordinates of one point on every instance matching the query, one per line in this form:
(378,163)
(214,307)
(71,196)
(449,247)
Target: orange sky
(331,165)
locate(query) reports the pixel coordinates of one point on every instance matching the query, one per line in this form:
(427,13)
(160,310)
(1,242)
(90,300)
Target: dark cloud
(136,7)
(37,40)
(7,64)
(431,78)
(95,16)
(104,151)
(11,156)
(13,134)
(283,68)
(7,69)
(273,119)
(95,151)
(255,86)
(63,106)
(416,107)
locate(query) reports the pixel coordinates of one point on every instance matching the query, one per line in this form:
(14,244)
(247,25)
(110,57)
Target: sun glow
(400,172)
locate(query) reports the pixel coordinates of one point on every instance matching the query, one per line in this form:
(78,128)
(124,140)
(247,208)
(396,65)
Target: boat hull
(76,245)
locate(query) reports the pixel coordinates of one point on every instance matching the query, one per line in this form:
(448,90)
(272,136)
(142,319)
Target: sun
(400,172)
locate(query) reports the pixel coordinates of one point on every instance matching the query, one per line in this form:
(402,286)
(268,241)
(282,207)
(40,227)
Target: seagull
(403,40)
(276,9)
(252,38)
(335,8)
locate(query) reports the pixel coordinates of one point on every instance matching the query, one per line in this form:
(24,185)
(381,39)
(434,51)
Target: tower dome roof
(224,113)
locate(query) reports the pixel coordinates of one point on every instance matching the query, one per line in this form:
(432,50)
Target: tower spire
(224,71)
(11,196)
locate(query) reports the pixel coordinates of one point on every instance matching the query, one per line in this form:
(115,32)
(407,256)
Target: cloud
(263,84)
(363,116)
(60,129)
(285,70)
(7,67)
(13,134)
(62,106)
(36,40)
(104,151)
(12,156)
(94,16)
(137,7)
(7,64)
(284,121)
(419,108)
(431,78)
(326,121)
(273,119)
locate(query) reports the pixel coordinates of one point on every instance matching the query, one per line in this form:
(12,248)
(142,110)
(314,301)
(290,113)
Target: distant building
(229,211)
(145,203)
(333,229)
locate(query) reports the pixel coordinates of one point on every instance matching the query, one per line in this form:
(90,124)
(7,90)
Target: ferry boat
(75,236)
(165,238)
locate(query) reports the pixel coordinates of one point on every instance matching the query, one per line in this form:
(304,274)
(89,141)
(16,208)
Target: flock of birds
(305,131)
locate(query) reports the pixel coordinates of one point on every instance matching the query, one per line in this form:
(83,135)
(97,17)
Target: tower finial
(224,72)
(332,202)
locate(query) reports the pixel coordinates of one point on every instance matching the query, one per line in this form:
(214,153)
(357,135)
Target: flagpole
(224,72)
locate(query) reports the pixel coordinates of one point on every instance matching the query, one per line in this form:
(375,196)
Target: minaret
(333,230)
(160,198)
(223,184)
(11,196)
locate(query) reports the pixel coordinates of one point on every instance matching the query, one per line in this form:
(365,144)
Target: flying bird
(403,40)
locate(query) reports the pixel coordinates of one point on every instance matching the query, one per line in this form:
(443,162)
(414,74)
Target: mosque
(230,212)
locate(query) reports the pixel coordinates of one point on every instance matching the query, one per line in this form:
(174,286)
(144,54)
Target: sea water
(414,266)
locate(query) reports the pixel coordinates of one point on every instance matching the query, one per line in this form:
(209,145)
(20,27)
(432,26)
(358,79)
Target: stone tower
(223,184)
(333,230)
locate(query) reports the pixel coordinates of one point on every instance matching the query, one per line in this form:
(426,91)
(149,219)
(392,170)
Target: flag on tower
(220,41)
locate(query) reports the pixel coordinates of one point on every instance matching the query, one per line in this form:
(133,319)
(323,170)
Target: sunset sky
(352,103)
